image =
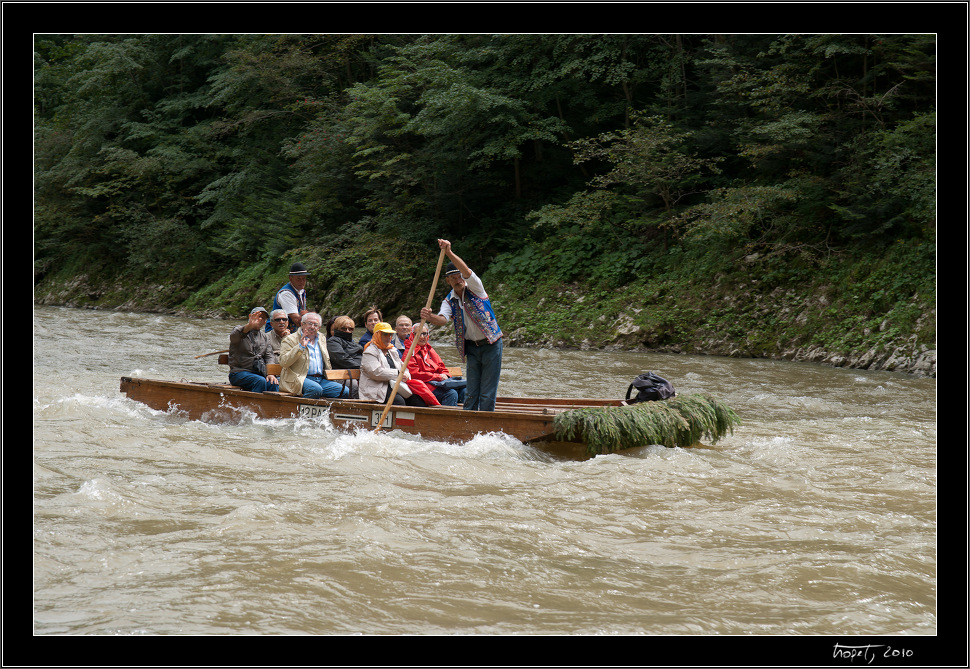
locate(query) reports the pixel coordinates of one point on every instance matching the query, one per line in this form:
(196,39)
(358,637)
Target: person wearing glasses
(380,365)
(249,353)
(429,375)
(280,324)
(344,351)
(305,361)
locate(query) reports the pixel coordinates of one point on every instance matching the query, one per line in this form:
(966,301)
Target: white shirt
(288,301)
(472,331)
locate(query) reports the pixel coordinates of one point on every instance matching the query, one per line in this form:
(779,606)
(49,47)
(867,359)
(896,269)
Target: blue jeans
(448,397)
(317,386)
(484,366)
(252,382)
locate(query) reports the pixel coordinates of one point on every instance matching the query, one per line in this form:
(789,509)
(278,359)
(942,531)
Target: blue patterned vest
(479,309)
(300,305)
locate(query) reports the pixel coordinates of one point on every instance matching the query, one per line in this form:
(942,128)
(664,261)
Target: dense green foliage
(656,163)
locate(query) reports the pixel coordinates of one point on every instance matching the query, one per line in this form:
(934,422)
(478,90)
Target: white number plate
(311,411)
(375,417)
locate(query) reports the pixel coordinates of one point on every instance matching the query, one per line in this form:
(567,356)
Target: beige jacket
(295,361)
(376,374)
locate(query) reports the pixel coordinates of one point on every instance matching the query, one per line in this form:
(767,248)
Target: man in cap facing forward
(249,353)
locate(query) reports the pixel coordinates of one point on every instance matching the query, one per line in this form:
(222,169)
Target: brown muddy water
(817,517)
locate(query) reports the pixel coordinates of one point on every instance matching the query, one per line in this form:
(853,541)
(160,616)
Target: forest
(757,195)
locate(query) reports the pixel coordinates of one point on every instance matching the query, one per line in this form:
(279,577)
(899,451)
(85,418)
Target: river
(818,516)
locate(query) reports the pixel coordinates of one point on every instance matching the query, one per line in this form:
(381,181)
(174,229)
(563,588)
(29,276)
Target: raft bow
(679,421)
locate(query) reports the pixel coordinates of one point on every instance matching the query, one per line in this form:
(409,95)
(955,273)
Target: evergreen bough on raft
(679,421)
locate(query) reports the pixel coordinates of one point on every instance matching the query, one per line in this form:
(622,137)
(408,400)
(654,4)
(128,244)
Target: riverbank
(621,331)
(854,313)
(870,310)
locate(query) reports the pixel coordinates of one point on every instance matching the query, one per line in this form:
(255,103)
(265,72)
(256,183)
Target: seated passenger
(344,351)
(371,318)
(379,368)
(280,322)
(305,361)
(249,353)
(427,371)
(402,335)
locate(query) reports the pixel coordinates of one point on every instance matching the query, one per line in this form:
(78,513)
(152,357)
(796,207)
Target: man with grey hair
(305,361)
(280,323)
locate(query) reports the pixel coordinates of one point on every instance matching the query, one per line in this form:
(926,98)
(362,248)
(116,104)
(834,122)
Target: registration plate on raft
(392,419)
(311,411)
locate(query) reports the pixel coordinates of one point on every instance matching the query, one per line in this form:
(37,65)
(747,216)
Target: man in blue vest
(291,298)
(477,334)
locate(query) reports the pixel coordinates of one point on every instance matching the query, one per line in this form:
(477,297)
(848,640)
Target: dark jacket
(246,348)
(344,352)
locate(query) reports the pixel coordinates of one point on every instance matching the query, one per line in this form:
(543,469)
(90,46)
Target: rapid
(818,516)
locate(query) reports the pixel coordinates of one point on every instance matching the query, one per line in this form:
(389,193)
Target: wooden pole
(213,353)
(414,341)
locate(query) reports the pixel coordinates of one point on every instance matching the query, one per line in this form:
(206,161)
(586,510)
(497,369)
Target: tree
(648,161)
(810,114)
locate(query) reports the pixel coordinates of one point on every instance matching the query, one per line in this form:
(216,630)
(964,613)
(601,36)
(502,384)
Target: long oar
(207,354)
(414,341)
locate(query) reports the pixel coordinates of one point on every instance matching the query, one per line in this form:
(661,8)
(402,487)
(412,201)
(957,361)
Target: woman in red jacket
(428,371)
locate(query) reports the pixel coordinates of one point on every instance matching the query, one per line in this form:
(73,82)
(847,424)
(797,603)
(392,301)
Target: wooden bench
(346,378)
(270,369)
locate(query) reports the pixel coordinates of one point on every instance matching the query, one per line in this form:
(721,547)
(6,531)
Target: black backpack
(650,387)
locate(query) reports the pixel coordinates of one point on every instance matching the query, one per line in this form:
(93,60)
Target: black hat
(298,269)
(451,269)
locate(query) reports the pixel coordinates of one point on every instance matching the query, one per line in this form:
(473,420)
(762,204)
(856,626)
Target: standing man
(477,334)
(249,353)
(291,298)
